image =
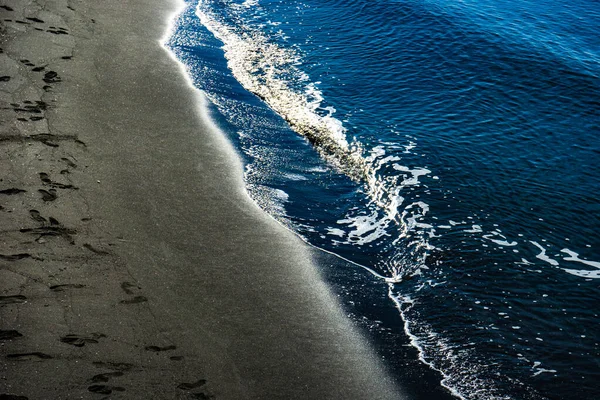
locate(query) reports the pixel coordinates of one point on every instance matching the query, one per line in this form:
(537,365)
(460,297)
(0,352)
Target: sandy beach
(132,263)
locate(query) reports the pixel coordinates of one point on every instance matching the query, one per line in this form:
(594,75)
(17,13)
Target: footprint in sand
(14,257)
(48,195)
(36,355)
(202,396)
(45,178)
(158,349)
(36,216)
(69,163)
(196,385)
(12,191)
(105,389)
(16,299)
(51,77)
(105,377)
(58,31)
(130,288)
(113,365)
(192,386)
(95,250)
(5,396)
(80,341)
(63,287)
(135,300)
(9,335)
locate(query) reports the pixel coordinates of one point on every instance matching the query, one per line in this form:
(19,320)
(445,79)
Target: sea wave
(272,72)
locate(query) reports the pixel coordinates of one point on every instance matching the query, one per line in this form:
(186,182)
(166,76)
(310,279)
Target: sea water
(451,148)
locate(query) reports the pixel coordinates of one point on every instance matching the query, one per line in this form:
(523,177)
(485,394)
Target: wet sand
(132,263)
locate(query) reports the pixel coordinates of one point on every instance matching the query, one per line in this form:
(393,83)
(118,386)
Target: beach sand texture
(132,263)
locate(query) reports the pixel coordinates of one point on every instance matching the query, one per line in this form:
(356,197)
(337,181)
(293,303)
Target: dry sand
(132,263)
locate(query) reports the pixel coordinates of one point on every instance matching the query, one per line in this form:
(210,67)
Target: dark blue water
(452,148)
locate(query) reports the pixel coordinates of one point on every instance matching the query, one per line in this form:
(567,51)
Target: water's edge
(361,290)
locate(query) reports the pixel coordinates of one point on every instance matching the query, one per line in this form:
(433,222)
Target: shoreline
(133,263)
(399,349)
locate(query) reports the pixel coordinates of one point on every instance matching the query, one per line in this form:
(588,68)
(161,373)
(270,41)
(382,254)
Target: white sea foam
(572,256)
(415,173)
(584,273)
(281,195)
(537,370)
(542,256)
(296,177)
(365,228)
(270,71)
(474,229)
(336,232)
(501,242)
(460,375)
(249,3)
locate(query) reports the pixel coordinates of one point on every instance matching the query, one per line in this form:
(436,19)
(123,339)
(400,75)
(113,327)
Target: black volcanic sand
(132,263)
